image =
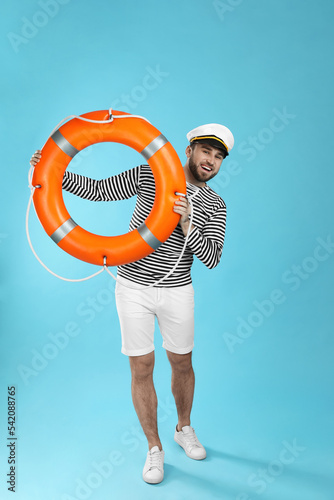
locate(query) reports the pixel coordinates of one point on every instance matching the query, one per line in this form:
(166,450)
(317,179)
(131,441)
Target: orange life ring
(57,153)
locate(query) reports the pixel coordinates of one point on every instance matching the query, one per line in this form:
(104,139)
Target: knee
(142,366)
(180,363)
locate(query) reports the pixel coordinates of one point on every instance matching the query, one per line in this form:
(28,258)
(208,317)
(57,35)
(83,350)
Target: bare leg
(183,384)
(144,396)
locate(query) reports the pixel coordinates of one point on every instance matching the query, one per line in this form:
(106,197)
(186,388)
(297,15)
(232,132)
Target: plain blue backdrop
(263,352)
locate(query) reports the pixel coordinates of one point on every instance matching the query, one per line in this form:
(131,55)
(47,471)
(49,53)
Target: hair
(193,144)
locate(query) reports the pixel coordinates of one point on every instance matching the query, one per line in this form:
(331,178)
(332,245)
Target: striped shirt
(205,240)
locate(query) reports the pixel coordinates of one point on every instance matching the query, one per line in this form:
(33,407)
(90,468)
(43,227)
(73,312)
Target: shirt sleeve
(117,187)
(207,243)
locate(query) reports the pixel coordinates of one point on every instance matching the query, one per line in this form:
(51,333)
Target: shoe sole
(193,458)
(153,482)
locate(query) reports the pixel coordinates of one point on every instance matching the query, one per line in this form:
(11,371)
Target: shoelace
(191,439)
(155,460)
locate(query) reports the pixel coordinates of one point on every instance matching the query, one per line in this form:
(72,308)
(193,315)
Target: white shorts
(137,309)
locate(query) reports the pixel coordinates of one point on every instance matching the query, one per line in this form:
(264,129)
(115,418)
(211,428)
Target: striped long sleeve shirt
(205,241)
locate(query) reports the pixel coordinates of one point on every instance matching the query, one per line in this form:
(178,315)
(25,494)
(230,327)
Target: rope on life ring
(91,128)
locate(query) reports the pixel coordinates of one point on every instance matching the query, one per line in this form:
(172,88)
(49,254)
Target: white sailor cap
(214,134)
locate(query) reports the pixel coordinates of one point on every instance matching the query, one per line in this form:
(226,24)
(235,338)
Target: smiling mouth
(206,168)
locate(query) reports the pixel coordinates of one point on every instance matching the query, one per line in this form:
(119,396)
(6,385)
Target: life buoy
(57,153)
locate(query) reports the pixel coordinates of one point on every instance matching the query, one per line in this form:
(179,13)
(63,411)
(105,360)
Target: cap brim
(212,142)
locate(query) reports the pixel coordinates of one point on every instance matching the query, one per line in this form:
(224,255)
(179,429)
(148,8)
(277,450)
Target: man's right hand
(35,158)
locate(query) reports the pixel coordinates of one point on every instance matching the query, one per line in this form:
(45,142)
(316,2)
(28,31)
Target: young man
(172,300)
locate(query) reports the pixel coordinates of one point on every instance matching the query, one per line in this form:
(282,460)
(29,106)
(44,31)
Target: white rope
(111,119)
(104,268)
(39,260)
(176,263)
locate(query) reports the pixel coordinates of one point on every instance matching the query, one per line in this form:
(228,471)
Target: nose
(210,160)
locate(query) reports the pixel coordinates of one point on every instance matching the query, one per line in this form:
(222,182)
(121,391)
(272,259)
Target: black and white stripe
(205,241)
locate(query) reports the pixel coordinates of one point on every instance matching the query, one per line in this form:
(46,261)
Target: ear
(188,151)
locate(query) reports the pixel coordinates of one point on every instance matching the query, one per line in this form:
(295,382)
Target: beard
(198,174)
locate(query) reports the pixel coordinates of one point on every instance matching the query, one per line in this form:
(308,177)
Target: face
(204,162)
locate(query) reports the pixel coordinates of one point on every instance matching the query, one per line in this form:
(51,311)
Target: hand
(35,158)
(182,207)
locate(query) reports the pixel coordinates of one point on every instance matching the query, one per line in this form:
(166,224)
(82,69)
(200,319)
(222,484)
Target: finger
(179,210)
(35,158)
(182,209)
(182,203)
(183,217)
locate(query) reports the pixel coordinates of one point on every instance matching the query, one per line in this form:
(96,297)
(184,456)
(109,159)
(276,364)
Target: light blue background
(236,62)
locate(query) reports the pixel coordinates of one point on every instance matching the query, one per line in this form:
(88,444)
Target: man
(172,300)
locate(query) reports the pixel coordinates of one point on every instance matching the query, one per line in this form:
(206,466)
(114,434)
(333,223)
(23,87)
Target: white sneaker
(153,471)
(187,439)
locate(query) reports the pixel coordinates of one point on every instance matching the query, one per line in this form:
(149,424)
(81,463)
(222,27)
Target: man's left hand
(182,207)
